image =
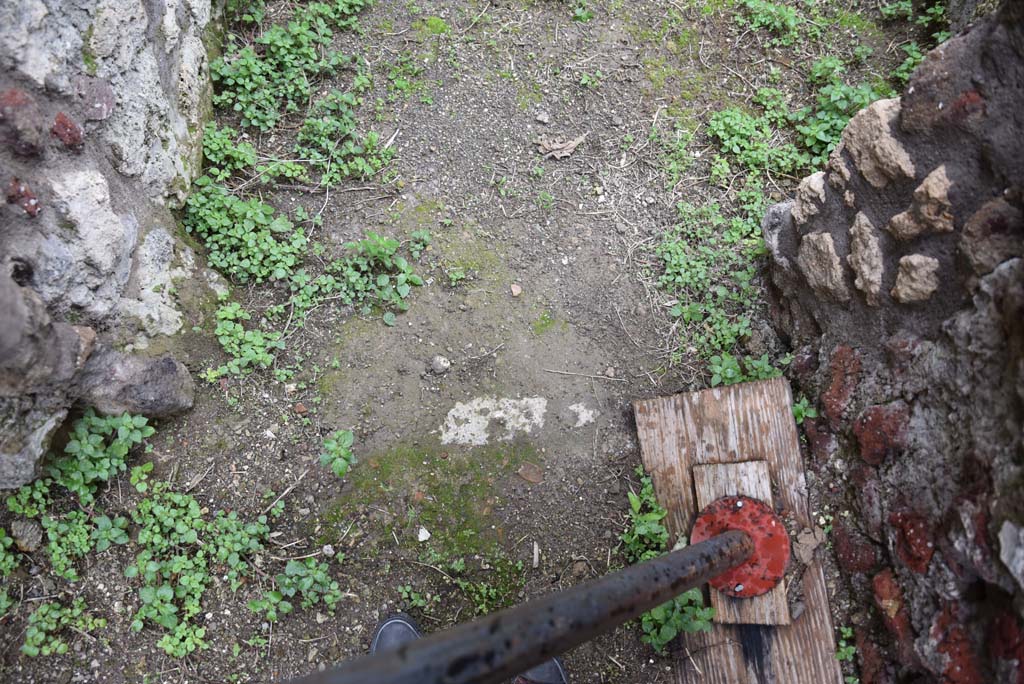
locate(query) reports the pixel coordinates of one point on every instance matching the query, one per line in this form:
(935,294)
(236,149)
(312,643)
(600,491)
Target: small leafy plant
(646,537)
(685,613)
(42,636)
(225,156)
(802,410)
(307,580)
(31,500)
(781,20)
(847,649)
(97,451)
(8,558)
(248,349)
(337,454)
(414,600)
(328,140)
(245,239)
(591,80)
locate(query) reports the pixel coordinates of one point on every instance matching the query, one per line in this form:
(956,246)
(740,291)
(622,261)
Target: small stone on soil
(27,535)
(439,365)
(423,535)
(531,472)
(516,289)
(543,118)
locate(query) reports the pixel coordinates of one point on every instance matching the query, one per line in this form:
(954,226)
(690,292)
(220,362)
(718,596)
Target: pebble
(516,289)
(328,550)
(423,535)
(439,365)
(543,118)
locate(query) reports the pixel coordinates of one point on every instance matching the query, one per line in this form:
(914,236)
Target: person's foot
(399,629)
(394,631)
(550,672)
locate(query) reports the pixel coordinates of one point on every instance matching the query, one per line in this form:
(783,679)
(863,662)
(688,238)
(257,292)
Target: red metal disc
(767,565)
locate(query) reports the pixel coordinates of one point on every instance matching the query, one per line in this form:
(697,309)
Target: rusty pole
(502,645)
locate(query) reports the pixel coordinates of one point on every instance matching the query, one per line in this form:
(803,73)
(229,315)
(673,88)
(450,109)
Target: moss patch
(431,26)
(545,322)
(452,493)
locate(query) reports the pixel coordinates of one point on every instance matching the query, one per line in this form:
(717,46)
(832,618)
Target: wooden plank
(752,421)
(749,478)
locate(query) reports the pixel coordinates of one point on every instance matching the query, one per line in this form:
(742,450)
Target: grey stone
(917,279)
(115,383)
(866,258)
(27,535)
(821,267)
(159,262)
(1011,550)
(810,195)
(992,235)
(876,153)
(101,242)
(439,365)
(25,433)
(930,210)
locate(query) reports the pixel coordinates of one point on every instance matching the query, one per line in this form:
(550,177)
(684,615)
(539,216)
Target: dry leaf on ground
(556,147)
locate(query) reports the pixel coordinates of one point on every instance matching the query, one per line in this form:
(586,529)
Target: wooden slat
(752,421)
(748,478)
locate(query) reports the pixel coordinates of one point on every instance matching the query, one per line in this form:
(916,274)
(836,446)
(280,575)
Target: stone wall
(102,104)
(898,279)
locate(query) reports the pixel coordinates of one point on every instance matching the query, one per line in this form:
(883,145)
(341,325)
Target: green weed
(308,581)
(707,266)
(8,558)
(277,77)
(415,601)
(591,80)
(96,452)
(803,410)
(781,20)
(646,537)
(45,624)
(246,240)
(248,349)
(176,566)
(581,12)
(31,500)
(329,142)
(337,454)
(224,155)
(727,369)
(685,613)
(846,650)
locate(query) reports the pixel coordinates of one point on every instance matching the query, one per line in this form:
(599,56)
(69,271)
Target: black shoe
(550,672)
(395,631)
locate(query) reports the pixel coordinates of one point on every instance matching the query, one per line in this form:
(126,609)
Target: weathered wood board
(749,478)
(751,421)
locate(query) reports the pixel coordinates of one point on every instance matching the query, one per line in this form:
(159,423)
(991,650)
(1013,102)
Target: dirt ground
(553,334)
